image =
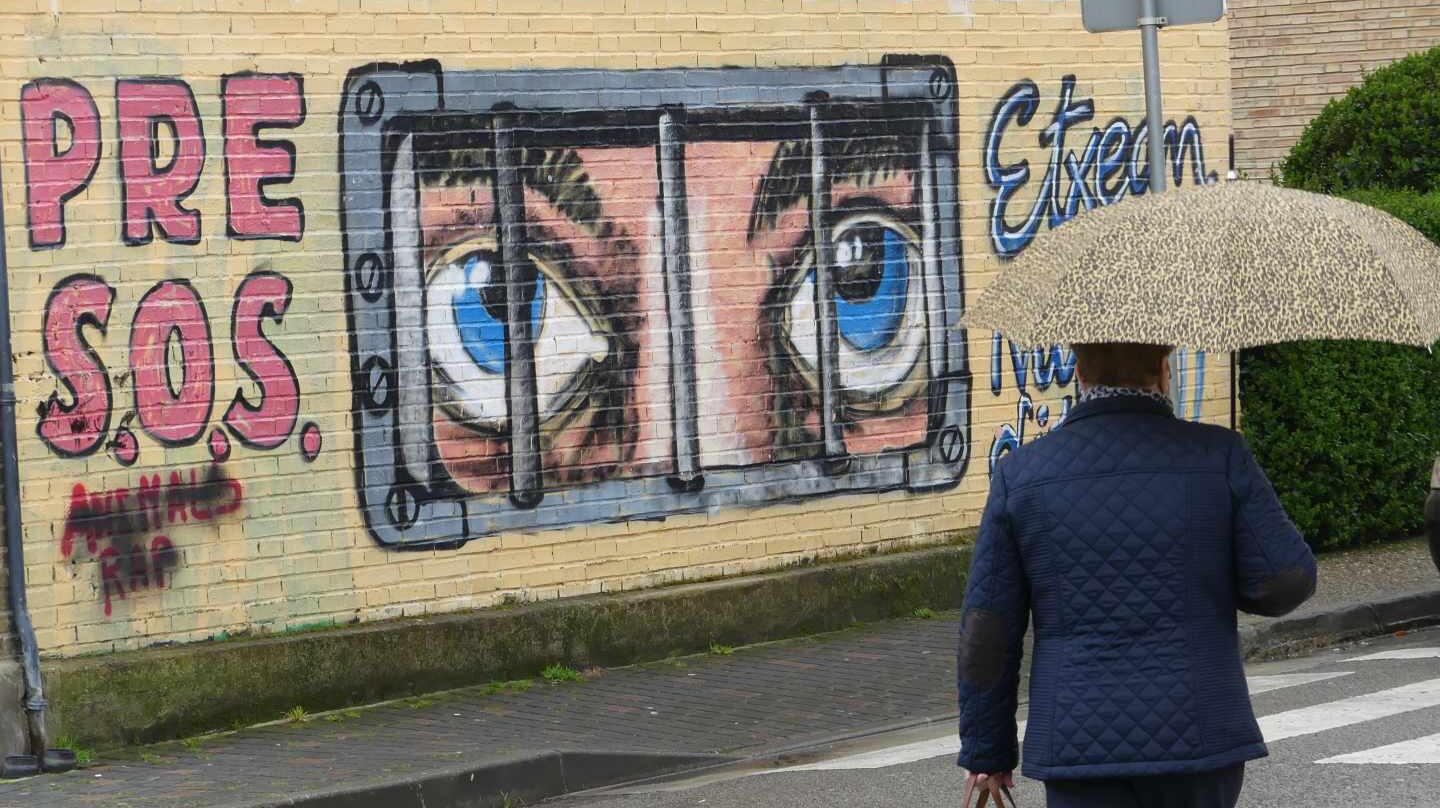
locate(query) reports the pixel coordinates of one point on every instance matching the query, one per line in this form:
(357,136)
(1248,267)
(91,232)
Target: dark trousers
(1213,789)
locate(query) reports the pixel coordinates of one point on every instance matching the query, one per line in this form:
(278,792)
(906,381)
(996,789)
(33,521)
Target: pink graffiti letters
(113,526)
(152,193)
(53,175)
(249,102)
(173,411)
(161,150)
(265,425)
(77,428)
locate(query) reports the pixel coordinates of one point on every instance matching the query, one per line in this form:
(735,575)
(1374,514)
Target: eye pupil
(860,263)
(492,296)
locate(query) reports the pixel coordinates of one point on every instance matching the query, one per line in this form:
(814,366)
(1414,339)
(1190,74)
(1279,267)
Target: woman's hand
(992,784)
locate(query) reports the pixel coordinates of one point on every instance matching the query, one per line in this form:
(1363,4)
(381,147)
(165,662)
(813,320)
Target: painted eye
(879,312)
(872,278)
(466,332)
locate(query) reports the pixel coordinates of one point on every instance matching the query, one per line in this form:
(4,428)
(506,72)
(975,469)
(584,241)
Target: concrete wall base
(159,694)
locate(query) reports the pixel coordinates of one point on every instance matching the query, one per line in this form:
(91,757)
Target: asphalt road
(1352,726)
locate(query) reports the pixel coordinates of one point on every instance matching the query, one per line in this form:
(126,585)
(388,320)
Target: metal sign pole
(1150,23)
(1101,16)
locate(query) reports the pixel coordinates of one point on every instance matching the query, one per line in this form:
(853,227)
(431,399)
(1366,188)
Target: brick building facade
(1290,58)
(262,341)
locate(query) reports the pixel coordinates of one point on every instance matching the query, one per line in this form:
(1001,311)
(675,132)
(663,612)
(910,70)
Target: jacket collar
(1138,405)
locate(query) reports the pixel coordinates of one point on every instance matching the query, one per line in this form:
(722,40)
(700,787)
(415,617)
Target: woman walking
(1130,537)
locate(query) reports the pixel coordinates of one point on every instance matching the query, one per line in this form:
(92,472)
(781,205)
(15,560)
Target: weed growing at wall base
(513,686)
(560,673)
(84,756)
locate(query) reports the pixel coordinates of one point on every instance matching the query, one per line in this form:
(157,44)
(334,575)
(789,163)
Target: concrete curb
(520,780)
(1294,635)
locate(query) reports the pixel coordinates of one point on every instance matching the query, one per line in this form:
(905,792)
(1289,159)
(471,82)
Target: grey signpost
(1101,16)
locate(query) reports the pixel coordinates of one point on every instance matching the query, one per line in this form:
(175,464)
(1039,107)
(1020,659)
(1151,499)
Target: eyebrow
(558,175)
(862,161)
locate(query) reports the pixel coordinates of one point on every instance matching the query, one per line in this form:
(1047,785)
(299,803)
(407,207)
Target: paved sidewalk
(758,698)
(758,701)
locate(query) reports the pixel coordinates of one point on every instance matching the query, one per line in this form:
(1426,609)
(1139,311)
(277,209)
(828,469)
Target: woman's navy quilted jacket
(1131,537)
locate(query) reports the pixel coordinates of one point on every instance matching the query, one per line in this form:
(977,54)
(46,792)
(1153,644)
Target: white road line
(1265,684)
(950,745)
(881,758)
(1399,653)
(947,746)
(1419,750)
(1336,714)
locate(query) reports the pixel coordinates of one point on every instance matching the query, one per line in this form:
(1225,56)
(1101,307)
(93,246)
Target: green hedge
(1420,211)
(1347,431)
(1385,132)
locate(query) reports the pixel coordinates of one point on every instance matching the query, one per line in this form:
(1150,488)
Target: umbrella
(1220,267)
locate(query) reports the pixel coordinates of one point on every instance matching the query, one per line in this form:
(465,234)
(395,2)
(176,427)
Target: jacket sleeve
(992,631)
(1275,568)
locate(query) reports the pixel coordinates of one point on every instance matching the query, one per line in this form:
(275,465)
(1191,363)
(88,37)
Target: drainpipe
(14,542)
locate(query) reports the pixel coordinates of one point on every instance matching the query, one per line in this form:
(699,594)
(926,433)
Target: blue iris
(481,332)
(873,287)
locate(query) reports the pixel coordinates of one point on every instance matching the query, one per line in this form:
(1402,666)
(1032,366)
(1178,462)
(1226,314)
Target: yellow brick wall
(265,539)
(1291,58)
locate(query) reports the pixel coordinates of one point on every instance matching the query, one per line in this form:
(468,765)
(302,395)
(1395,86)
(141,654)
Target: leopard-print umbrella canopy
(1219,268)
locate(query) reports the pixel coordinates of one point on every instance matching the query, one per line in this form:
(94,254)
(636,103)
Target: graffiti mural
(124,530)
(1036,369)
(166,395)
(1113,162)
(571,296)
(171,369)
(160,142)
(669,291)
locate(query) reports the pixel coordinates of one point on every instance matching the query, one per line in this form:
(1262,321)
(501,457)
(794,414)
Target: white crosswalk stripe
(1354,710)
(1265,684)
(1277,727)
(1418,750)
(947,746)
(882,758)
(1399,653)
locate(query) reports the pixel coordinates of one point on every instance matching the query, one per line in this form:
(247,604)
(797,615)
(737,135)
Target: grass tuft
(560,673)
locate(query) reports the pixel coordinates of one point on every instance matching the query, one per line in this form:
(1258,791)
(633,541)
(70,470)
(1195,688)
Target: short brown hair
(1121,364)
